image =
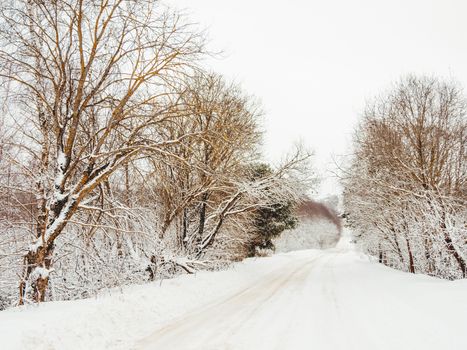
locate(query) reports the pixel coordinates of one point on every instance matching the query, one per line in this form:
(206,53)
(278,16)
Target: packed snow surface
(311,299)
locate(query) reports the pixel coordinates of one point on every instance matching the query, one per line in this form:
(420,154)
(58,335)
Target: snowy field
(332,299)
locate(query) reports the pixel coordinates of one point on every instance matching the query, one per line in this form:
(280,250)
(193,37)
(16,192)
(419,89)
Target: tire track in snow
(232,313)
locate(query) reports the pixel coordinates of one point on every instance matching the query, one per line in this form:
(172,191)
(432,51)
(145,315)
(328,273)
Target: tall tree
(410,175)
(90,79)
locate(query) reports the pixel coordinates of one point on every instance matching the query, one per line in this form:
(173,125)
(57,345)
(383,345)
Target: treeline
(319,226)
(121,157)
(406,188)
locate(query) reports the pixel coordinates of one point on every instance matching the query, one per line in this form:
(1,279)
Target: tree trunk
(453,251)
(35,280)
(38,260)
(202,215)
(450,245)
(411,260)
(399,251)
(184,228)
(429,260)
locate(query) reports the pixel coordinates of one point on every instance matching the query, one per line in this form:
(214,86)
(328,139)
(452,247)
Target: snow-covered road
(333,299)
(325,300)
(265,315)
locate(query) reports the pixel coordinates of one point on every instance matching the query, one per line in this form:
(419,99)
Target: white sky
(314,63)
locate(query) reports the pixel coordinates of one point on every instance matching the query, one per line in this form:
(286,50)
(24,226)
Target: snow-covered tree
(89,81)
(123,159)
(406,188)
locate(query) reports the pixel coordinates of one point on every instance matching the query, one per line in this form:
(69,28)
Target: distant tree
(313,210)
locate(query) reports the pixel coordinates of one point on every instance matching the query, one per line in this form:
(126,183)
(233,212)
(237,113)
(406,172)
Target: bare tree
(208,188)
(410,174)
(90,82)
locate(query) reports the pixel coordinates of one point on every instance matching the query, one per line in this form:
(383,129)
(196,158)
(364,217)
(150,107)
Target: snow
(41,272)
(309,234)
(309,299)
(61,160)
(33,247)
(61,163)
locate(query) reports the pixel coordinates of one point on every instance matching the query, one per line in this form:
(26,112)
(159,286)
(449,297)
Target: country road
(249,318)
(330,299)
(335,299)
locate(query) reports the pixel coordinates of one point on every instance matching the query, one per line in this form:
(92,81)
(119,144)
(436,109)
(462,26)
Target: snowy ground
(333,299)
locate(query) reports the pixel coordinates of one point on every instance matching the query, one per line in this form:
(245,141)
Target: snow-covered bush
(309,234)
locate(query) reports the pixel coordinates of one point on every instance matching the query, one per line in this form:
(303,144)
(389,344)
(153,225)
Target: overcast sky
(314,63)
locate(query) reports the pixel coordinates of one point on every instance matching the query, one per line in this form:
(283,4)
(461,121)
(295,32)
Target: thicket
(406,188)
(122,157)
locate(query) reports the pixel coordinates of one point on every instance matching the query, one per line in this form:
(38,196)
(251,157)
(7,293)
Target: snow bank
(118,318)
(334,299)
